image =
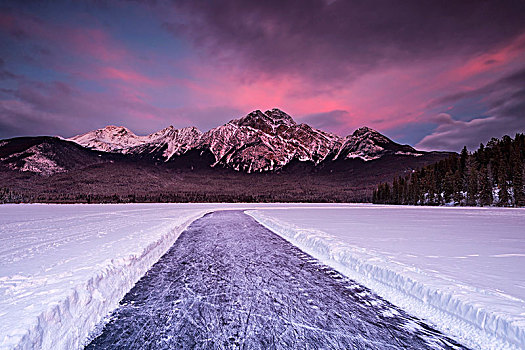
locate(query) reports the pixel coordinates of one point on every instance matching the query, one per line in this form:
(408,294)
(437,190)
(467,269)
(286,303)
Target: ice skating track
(230,283)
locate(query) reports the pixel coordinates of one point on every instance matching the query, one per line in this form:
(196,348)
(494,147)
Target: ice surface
(229,283)
(460,268)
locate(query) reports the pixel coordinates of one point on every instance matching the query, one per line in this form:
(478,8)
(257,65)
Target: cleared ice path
(230,283)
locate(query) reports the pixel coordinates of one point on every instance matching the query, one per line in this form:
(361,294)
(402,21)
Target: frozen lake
(64,267)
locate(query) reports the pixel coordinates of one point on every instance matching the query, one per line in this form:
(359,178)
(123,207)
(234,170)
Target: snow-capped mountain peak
(365,130)
(269,122)
(368,144)
(372,136)
(109,139)
(267,141)
(280,117)
(122,140)
(178,141)
(259,141)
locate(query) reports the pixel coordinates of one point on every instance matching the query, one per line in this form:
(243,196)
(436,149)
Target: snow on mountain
(45,155)
(168,142)
(119,139)
(368,144)
(33,160)
(110,139)
(267,141)
(255,143)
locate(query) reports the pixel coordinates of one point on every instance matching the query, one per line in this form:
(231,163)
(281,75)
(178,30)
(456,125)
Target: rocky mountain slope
(46,156)
(255,143)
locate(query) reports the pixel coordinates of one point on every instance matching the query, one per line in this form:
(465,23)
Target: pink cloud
(383,99)
(94,43)
(127,76)
(496,59)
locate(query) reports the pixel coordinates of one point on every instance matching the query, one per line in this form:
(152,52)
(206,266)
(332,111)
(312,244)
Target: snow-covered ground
(64,267)
(463,269)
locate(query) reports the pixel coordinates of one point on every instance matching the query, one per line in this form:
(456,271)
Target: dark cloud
(335,121)
(206,118)
(4,73)
(20,118)
(14,122)
(58,108)
(513,81)
(335,41)
(506,116)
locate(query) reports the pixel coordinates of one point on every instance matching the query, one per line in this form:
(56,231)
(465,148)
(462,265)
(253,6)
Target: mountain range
(261,145)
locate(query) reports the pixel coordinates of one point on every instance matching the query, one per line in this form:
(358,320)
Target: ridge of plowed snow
(62,271)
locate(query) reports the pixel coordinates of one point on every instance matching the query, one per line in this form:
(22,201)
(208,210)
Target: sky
(434,74)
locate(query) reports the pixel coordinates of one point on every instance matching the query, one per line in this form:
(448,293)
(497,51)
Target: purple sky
(435,74)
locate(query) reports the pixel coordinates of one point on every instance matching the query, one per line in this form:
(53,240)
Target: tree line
(9,196)
(492,175)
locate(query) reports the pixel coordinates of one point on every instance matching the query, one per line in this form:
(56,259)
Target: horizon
(437,78)
(202,130)
(205,130)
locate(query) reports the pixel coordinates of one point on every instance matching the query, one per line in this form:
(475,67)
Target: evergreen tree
(463,161)
(485,193)
(503,192)
(517,176)
(448,186)
(467,179)
(472,182)
(395,191)
(480,154)
(458,188)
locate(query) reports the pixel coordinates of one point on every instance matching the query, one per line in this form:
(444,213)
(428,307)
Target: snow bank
(392,250)
(63,268)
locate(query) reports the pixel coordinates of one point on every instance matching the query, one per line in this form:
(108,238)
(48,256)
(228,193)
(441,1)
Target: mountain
(259,157)
(255,143)
(118,139)
(368,144)
(266,142)
(46,156)
(111,139)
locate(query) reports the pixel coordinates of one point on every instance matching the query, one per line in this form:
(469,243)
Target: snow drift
(68,267)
